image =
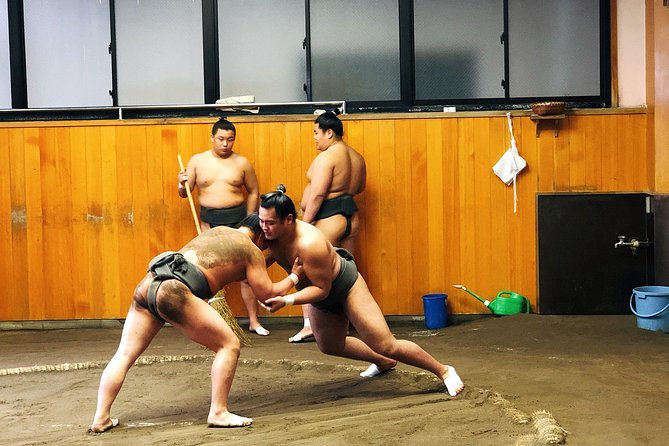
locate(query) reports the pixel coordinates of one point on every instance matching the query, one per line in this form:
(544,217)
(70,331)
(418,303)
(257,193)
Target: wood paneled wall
(84,206)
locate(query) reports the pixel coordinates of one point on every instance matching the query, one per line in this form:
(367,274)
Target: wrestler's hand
(274,304)
(183,176)
(298,270)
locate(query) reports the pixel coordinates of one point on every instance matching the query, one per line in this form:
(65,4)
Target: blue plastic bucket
(434,306)
(652,307)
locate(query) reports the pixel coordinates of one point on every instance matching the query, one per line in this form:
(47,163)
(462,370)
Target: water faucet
(633,243)
(621,242)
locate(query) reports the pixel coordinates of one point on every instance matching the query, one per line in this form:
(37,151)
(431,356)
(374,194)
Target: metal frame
(210,61)
(112,52)
(17,54)
(149,111)
(407,53)
(307,48)
(505,41)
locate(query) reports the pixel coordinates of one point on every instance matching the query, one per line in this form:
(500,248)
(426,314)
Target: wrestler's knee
(386,348)
(235,346)
(231,347)
(330,348)
(219,339)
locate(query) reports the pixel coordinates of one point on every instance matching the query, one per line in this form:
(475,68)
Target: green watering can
(504,304)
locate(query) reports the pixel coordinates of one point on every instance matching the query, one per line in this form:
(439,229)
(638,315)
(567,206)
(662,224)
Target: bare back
(337,171)
(358,179)
(223,254)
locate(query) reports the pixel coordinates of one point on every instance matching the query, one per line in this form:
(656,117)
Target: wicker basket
(548,108)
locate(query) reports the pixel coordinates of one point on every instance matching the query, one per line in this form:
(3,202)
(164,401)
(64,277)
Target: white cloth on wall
(510,164)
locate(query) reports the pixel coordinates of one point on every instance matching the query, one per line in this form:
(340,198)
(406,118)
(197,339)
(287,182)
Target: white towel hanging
(510,164)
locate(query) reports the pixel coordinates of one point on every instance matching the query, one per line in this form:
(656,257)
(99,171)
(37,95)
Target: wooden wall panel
(398,195)
(592,146)
(11,297)
(112,221)
(94,219)
(34,228)
(451,211)
(467,222)
(80,260)
(416,213)
(373,261)
(479,204)
(18,305)
(390,214)
(57,236)
(125,250)
(499,261)
(435,152)
(84,207)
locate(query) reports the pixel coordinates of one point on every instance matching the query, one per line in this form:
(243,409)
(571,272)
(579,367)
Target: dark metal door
(661,246)
(593,249)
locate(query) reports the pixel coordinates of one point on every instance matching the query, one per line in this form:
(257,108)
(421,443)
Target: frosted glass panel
(554,48)
(5,76)
(159,52)
(458,54)
(260,49)
(67,53)
(355,50)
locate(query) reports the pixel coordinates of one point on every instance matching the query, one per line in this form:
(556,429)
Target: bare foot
(374,370)
(303,335)
(98,428)
(453,383)
(227,419)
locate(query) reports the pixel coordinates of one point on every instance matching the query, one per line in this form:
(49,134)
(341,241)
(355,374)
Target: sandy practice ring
(165,400)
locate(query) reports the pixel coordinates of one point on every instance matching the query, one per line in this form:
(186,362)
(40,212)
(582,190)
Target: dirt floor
(601,378)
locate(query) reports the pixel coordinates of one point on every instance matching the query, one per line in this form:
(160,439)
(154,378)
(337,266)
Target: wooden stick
(190,198)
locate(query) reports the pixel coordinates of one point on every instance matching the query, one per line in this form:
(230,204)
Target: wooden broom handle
(190,198)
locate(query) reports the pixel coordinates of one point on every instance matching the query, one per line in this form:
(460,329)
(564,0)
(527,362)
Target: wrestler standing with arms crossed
(221,175)
(335,176)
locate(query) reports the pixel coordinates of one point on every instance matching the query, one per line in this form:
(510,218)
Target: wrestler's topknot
(279,201)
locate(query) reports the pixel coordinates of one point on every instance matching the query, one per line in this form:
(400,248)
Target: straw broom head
(219,304)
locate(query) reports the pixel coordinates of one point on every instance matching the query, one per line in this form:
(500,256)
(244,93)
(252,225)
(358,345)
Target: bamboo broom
(190,198)
(217,302)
